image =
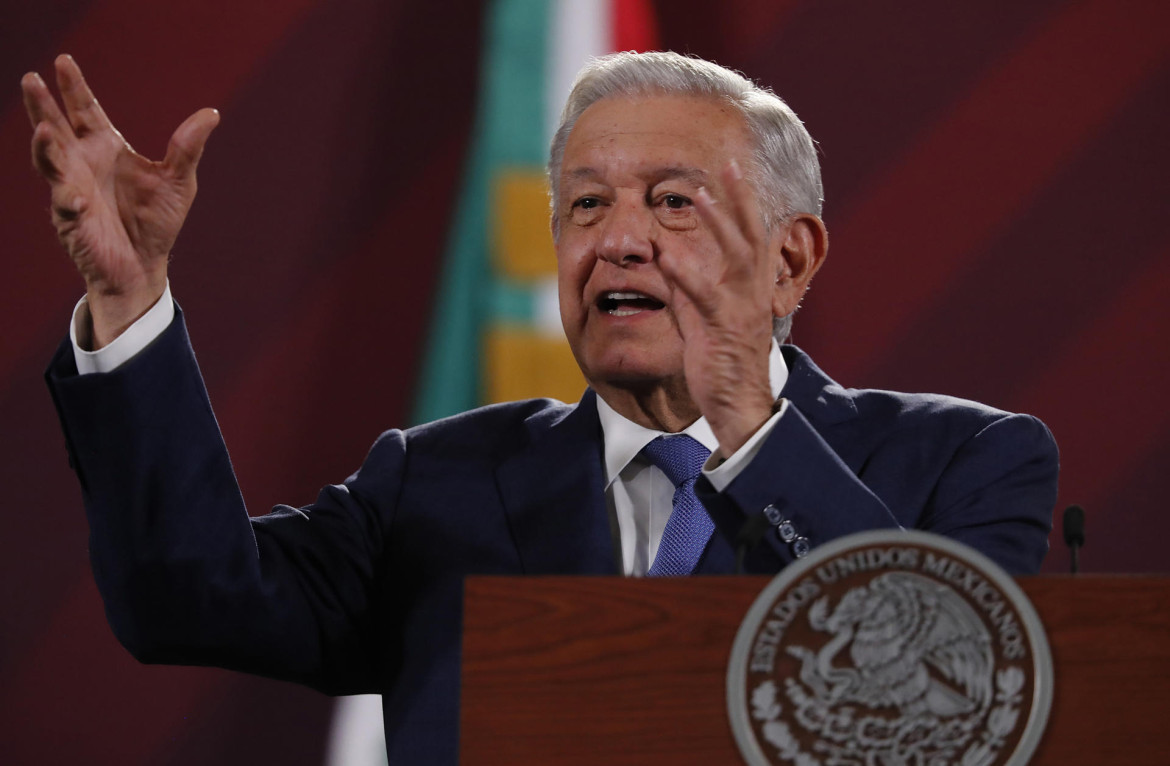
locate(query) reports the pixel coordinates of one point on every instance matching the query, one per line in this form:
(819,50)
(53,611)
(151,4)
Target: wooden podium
(576,670)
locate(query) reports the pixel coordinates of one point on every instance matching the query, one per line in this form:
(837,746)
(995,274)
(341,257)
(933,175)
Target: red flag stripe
(634,26)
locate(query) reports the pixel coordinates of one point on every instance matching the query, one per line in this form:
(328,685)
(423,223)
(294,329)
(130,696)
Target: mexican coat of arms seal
(890,648)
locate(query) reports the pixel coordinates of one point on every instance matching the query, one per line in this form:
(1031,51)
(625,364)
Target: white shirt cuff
(722,474)
(127,345)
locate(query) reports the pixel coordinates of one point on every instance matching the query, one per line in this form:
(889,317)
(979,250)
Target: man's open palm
(117,213)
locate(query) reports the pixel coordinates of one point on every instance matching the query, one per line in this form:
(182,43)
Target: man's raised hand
(116,212)
(724,305)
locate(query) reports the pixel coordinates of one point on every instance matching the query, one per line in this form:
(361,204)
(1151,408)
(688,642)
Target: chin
(632,371)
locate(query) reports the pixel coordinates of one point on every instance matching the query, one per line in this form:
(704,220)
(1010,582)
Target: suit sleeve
(992,488)
(185,575)
(997,493)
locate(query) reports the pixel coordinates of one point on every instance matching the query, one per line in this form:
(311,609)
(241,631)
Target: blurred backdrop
(369,249)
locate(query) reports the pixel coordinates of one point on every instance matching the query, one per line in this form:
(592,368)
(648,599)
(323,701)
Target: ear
(801,245)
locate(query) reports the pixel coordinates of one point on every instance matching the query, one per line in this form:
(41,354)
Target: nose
(627,233)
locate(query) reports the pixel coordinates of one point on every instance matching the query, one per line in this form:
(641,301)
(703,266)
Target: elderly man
(686,217)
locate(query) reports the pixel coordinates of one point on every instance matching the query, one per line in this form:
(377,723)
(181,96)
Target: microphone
(1074,533)
(749,535)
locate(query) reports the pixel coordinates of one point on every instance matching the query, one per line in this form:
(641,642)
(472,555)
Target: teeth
(624,304)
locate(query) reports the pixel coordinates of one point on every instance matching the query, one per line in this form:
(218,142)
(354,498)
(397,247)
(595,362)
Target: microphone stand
(1073,526)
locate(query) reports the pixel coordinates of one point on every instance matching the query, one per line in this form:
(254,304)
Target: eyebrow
(670,172)
(693,175)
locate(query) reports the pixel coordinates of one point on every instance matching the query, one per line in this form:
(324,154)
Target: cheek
(571,304)
(569,298)
(700,255)
(573,271)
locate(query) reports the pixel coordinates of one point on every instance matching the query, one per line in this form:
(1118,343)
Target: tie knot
(679,456)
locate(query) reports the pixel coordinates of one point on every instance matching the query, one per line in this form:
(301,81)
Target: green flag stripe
(509,131)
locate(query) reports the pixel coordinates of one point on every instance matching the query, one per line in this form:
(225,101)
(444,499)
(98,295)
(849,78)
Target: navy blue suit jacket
(361,592)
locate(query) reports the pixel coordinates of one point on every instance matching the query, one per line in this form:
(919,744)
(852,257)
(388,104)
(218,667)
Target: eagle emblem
(907,671)
(890,648)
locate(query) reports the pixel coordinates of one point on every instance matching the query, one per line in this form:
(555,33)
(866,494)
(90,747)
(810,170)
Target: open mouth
(627,304)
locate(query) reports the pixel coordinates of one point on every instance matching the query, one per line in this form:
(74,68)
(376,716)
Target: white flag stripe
(579,30)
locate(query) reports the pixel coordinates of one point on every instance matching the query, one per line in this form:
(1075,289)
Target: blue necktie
(689,527)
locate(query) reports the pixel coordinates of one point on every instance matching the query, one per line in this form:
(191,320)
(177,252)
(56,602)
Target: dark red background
(996,198)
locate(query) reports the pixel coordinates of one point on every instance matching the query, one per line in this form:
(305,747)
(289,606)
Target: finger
(692,283)
(745,206)
(186,145)
(690,312)
(728,232)
(51,160)
(82,109)
(687,315)
(68,204)
(40,104)
(47,155)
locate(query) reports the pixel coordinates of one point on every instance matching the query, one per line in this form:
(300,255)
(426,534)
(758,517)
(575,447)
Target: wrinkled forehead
(625,133)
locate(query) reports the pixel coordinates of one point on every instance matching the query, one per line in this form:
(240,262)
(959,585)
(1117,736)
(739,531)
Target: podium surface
(578,670)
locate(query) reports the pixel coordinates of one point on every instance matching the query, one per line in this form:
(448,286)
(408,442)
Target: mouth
(624,304)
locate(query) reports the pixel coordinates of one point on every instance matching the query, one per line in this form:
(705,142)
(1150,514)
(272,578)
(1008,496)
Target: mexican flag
(496,333)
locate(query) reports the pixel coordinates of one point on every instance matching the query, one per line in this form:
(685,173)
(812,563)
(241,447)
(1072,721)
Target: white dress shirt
(638,493)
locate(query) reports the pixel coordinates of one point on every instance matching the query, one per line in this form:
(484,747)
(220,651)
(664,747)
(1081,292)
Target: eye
(586,209)
(675,211)
(587,203)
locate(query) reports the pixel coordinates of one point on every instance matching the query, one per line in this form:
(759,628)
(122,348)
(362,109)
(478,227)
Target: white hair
(787,174)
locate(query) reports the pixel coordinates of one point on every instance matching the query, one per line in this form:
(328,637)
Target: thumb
(687,316)
(187,142)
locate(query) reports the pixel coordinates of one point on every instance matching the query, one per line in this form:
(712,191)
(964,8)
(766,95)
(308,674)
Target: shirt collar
(624,438)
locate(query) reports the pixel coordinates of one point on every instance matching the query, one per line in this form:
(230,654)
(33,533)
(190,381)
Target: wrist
(735,429)
(110,314)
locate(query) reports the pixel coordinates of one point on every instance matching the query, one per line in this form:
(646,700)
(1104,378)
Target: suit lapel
(553,494)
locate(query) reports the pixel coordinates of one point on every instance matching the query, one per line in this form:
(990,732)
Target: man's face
(631,169)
